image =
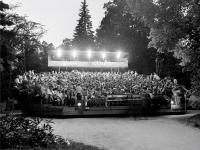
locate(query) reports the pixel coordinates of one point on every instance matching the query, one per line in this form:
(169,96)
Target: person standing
(79,91)
(85,96)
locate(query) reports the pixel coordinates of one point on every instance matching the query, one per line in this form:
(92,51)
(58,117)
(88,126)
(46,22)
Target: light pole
(74,55)
(59,55)
(103,56)
(89,55)
(118,56)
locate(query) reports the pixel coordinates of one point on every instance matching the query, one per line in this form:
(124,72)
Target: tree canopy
(83,34)
(174,27)
(7,33)
(119,30)
(19,41)
(147,29)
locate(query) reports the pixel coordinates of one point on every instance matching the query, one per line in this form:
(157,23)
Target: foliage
(21,37)
(18,132)
(7,54)
(28,34)
(195,120)
(43,55)
(195,104)
(23,133)
(38,60)
(18,36)
(35,62)
(1,66)
(174,27)
(27,91)
(83,35)
(67,44)
(119,30)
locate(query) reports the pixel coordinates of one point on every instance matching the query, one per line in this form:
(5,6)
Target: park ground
(128,133)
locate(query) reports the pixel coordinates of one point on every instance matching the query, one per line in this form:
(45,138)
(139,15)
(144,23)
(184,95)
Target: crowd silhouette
(59,88)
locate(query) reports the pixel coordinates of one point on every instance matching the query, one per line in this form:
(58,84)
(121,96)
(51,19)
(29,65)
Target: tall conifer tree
(83,35)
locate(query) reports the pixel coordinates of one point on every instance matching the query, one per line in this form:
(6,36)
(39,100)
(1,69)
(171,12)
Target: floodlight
(89,53)
(79,104)
(104,55)
(59,52)
(74,53)
(118,55)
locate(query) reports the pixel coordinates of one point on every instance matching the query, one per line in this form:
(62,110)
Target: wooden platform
(64,111)
(113,105)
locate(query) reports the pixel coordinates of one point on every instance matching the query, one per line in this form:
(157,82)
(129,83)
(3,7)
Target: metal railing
(113,100)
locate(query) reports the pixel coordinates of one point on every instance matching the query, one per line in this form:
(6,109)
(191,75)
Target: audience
(63,88)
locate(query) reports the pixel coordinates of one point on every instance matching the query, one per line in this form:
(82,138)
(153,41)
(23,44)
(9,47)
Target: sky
(59,16)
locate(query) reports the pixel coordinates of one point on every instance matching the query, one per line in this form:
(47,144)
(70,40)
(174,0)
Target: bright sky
(59,16)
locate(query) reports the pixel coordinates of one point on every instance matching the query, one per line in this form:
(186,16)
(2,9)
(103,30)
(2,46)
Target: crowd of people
(64,88)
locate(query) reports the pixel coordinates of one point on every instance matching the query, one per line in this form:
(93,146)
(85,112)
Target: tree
(7,59)
(83,35)
(7,53)
(174,28)
(28,34)
(18,36)
(43,55)
(120,30)
(66,45)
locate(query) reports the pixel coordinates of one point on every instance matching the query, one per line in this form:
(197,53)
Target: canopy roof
(71,58)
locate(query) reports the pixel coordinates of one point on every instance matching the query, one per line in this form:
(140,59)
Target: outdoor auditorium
(111,91)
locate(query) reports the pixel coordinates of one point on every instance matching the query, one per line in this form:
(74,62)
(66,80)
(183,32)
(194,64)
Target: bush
(23,133)
(195,104)
(33,133)
(195,120)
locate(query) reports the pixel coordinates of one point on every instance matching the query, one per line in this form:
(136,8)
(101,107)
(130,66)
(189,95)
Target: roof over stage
(86,59)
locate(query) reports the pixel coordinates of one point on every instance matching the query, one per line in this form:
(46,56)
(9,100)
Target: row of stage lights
(89,54)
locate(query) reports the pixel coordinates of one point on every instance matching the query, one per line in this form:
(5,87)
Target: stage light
(59,52)
(104,55)
(74,53)
(118,55)
(79,104)
(89,53)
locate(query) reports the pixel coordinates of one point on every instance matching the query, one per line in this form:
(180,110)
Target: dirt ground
(169,132)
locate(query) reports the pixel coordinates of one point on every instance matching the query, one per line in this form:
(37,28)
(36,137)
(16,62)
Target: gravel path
(126,133)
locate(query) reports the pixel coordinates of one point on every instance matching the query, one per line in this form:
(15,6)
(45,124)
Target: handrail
(123,95)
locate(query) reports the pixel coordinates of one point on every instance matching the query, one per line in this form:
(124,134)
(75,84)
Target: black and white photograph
(100,74)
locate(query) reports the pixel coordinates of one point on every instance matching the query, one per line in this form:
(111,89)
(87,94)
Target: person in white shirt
(79,91)
(50,93)
(85,95)
(58,97)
